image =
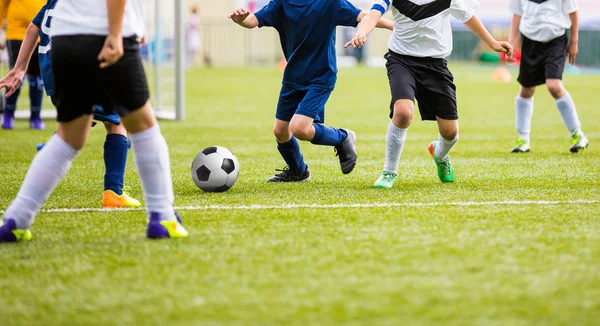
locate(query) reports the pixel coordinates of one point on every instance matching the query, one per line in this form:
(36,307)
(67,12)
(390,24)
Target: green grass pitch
(515,241)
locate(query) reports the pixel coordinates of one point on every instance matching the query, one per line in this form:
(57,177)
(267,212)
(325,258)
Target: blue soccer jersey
(42,21)
(307,34)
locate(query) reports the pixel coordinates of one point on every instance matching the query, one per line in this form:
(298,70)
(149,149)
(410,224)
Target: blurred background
(221,43)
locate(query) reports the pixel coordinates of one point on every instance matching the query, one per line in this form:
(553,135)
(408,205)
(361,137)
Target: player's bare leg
(404,110)
(48,168)
(568,111)
(151,156)
(523,115)
(287,145)
(447,138)
(344,140)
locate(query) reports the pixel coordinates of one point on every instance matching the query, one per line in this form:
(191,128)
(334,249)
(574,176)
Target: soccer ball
(215,169)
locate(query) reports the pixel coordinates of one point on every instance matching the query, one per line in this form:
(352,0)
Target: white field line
(334,206)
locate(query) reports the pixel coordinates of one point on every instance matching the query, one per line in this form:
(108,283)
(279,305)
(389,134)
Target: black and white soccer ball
(215,169)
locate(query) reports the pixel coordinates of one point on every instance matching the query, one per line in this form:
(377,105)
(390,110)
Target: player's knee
(282,133)
(114,129)
(302,132)
(527,92)
(449,134)
(403,113)
(555,88)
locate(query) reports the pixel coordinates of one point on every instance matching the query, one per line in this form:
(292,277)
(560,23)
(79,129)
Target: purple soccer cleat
(10,233)
(8,121)
(160,229)
(37,124)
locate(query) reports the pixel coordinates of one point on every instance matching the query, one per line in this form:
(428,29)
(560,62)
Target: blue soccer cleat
(10,233)
(161,229)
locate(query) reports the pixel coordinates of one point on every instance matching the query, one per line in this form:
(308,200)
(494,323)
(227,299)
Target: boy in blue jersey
(116,144)
(307,34)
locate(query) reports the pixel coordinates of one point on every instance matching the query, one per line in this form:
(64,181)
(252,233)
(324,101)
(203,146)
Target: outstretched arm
(244,18)
(367,25)
(475,25)
(574,43)
(381,23)
(13,80)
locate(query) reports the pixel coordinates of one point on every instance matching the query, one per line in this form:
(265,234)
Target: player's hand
(512,43)
(1,46)
(503,47)
(239,15)
(572,51)
(357,41)
(12,81)
(112,51)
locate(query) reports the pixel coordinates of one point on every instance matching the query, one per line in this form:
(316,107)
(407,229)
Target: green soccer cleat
(579,142)
(521,146)
(445,169)
(386,180)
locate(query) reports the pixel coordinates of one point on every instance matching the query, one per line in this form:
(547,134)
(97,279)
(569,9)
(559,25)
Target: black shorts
(79,83)
(13,47)
(427,80)
(541,61)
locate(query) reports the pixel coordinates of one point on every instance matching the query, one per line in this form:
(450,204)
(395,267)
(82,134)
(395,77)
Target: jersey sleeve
(382,5)
(463,10)
(569,6)
(268,16)
(39,18)
(347,14)
(515,7)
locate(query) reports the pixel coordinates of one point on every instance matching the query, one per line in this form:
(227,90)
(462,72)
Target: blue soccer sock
(291,154)
(329,136)
(11,103)
(115,159)
(36,95)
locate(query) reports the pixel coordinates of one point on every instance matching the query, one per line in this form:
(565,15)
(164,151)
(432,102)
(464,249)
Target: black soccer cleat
(287,175)
(346,151)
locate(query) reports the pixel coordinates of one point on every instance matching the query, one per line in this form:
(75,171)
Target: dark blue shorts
(309,102)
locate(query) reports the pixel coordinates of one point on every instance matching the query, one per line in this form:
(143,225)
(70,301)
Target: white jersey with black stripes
(422,27)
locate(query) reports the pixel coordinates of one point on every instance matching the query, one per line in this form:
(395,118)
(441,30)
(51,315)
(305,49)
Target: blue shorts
(309,102)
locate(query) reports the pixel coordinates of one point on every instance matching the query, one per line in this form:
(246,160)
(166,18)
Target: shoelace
(388,176)
(446,166)
(126,190)
(284,171)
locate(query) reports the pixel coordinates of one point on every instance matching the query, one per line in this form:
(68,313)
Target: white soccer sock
(394,145)
(47,169)
(567,110)
(524,113)
(151,156)
(443,148)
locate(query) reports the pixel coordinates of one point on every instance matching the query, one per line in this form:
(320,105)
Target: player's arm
(13,79)
(381,23)
(476,26)
(514,30)
(367,25)
(112,50)
(574,42)
(244,18)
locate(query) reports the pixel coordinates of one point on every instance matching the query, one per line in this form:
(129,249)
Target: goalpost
(163,56)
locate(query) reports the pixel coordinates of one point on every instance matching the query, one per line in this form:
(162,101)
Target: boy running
(116,145)
(545,46)
(307,34)
(417,69)
(96,61)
